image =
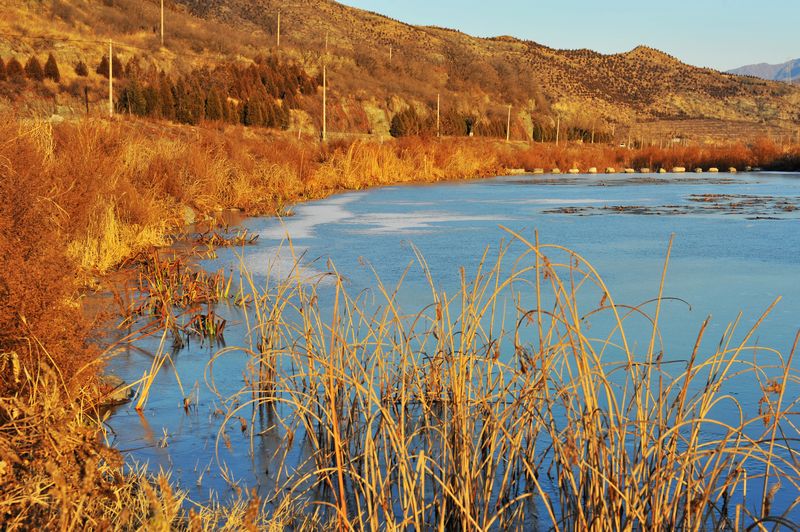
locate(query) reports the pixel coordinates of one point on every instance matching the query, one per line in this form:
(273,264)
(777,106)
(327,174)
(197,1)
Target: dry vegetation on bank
(80,198)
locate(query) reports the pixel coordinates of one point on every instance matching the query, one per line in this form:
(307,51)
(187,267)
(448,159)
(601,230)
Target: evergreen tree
(214,110)
(196,100)
(284,117)
(15,71)
(132,100)
(233,113)
(268,113)
(118,69)
(166,97)
(51,69)
(252,114)
(33,69)
(102,68)
(183,107)
(82,70)
(2,70)
(116,64)
(151,101)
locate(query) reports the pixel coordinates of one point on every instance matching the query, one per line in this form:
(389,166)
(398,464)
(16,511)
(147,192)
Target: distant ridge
(781,72)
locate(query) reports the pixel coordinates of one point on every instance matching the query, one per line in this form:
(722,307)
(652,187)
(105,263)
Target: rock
(644,171)
(592,170)
(630,171)
(538,171)
(574,171)
(713,170)
(662,170)
(732,170)
(114,390)
(555,171)
(698,170)
(678,170)
(611,170)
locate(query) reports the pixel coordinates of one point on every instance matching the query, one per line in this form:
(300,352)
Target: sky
(721,34)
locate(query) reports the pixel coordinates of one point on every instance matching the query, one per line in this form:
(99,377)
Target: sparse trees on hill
(33,69)
(51,69)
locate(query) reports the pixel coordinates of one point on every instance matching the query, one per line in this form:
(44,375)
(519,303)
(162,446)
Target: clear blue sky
(721,34)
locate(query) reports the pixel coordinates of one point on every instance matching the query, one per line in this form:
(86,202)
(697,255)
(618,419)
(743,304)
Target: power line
(99,42)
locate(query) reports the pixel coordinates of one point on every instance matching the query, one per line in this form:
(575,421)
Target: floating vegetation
(207,326)
(750,206)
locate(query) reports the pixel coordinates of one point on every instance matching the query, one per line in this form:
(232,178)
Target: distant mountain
(781,72)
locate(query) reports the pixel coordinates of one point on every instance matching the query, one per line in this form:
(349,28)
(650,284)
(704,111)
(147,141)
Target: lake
(735,250)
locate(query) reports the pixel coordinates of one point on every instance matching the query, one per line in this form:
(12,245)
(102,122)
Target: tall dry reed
(496,407)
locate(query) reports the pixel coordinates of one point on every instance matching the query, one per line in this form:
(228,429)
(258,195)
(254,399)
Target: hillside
(378,67)
(790,70)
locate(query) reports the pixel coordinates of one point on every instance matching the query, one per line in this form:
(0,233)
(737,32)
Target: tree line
(259,94)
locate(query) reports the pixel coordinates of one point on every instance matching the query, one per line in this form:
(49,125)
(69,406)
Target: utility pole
(438,114)
(508,125)
(324,103)
(558,128)
(279,28)
(593,126)
(110,79)
(390,54)
(162,23)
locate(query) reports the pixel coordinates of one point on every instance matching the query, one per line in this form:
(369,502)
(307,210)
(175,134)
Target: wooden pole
(110,79)
(438,115)
(508,125)
(558,128)
(324,103)
(593,126)
(279,29)
(162,23)
(391,52)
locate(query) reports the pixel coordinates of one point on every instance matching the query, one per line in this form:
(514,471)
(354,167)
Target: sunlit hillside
(378,67)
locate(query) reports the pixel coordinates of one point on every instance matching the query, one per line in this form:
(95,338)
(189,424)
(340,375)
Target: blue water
(722,263)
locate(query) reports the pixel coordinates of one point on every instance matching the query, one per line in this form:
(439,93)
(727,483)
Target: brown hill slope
(382,65)
(644,80)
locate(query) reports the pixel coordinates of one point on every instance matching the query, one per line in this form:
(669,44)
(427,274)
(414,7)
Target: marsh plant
(497,407)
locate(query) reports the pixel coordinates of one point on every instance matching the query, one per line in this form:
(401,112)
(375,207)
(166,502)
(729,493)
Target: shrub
(51,69)
(34,69)
(15,71)
(2,70)
(82,70)
(116,64)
